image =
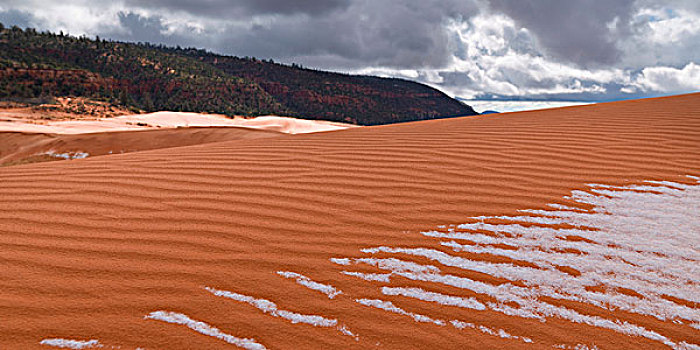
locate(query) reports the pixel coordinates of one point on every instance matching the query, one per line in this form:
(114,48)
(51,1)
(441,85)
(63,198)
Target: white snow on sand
(326,289)
(389,306)
(270,308)
(67,155)
(443,299)
(203,328)
(70,343)
(340,261)
(490,331)
(639,238)
(376,277)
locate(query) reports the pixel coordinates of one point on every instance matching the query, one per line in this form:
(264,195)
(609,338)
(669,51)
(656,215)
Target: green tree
(148,102)
(124,98)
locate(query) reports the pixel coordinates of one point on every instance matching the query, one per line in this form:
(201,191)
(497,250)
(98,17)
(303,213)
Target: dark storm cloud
(400,34)
(347,34)
(151,29)
(575,31)
(587,49)
(146,29)
(227,8)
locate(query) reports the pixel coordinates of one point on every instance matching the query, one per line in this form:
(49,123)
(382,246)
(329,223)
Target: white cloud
(513,106)
(669,79)
(661,37)
(76,17)
(665,25)
(491,54)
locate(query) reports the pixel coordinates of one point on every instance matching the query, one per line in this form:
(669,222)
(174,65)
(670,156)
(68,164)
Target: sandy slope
(169,120)
(174,248)
(18,147)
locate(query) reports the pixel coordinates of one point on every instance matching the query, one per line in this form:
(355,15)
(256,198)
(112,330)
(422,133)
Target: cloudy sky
(590,50)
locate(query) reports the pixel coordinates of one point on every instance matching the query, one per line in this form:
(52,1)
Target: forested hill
(142,76)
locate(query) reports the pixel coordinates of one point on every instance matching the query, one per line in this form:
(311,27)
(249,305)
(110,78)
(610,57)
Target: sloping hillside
(38,66)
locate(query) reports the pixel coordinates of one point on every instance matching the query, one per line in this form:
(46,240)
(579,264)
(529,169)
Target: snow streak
(490,331)
(389,306)
(326,289)
(71,344)
(270,308)
(203,328)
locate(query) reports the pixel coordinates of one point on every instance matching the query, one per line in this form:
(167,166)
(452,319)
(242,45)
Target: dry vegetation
(61,108)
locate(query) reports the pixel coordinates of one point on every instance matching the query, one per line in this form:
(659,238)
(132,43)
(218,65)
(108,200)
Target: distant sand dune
(17,147)
(150,121)
(29,141)
(471,233)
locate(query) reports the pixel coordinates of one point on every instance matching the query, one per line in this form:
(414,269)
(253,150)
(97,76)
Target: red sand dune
(133,250)
(18,147)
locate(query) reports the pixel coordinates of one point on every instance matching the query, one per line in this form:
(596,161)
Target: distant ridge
(39,66)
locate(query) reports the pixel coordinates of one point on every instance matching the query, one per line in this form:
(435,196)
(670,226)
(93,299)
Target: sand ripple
(485,225)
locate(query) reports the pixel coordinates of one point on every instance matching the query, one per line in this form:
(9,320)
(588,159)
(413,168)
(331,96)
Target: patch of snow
(575,347)
(490,331)
(203,328)
(443,299)
(326,289)
(70,343)
(394,264)
(643,238)
(389,306)
(340,261)
(343,329)
(377,277)
(67,155)
(270,308)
